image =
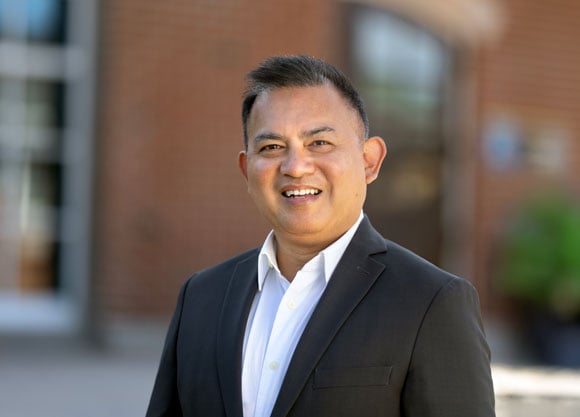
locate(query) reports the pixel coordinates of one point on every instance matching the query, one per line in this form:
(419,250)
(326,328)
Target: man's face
(307,165)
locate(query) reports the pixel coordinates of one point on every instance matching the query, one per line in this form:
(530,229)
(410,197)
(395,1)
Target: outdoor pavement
(69,379)
(60,378)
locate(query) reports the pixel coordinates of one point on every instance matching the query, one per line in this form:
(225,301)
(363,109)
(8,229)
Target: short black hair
(298,71)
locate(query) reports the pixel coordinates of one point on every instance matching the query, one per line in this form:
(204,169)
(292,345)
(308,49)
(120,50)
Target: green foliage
(540,260)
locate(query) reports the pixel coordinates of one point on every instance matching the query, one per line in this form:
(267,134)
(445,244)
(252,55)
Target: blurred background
(119,133)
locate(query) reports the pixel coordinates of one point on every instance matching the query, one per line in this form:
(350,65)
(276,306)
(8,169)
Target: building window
(40,57)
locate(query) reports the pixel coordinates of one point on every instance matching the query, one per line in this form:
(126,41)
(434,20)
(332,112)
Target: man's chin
(308,233)
(300,228)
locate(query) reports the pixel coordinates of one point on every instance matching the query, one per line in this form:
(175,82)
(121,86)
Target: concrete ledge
(534,382)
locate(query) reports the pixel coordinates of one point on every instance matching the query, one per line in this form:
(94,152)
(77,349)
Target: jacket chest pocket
(352,377)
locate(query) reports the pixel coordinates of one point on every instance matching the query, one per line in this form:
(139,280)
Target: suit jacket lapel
(352,279)
(235,310)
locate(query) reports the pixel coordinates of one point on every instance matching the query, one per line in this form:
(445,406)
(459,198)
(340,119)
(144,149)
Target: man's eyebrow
(317,130)
(306,133)
(267,136)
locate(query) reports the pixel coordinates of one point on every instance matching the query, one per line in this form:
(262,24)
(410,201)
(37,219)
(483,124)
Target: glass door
(402,72)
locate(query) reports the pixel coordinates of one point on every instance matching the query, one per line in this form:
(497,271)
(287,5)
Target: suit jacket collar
(352,279)
(236,308)
(355,274)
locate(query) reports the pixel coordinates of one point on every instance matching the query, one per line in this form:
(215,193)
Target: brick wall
(170,197)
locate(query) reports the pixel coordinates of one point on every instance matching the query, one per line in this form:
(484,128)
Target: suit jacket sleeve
(449,374)
(164,399)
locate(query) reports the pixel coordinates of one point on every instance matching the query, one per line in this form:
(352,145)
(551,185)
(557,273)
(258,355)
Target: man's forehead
(316,106)
(303,99)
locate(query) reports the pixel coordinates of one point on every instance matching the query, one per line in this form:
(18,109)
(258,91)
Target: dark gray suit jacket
(391,336)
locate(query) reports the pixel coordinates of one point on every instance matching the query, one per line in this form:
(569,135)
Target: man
(327,318)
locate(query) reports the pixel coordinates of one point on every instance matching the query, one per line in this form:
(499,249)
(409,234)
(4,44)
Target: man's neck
(292,259)
(293,252)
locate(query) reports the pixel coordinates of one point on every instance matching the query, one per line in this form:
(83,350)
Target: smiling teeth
(294,193)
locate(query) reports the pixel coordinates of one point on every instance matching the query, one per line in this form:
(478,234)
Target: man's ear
(243,163)
(374,152)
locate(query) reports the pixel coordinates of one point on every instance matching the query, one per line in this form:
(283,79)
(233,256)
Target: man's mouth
(300,193)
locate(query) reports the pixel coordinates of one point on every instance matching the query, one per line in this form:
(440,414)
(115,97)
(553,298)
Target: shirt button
(291,305)
(274,365)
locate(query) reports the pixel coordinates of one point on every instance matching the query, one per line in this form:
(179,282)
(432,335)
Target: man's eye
(270,147)
(320,142)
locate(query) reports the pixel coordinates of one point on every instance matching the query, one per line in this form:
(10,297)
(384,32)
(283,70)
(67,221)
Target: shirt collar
(267,259)
(330,255)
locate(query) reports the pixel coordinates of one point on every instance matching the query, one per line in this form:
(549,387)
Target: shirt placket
(293,310)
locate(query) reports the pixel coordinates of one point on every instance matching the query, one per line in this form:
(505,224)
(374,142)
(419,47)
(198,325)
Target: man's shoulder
(406,265)
(222,271)
(406,258)
(400,264)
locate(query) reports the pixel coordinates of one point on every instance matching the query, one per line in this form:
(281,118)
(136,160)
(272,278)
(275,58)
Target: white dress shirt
(279,314)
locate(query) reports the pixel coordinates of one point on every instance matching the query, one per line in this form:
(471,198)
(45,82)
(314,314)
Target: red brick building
(171,197)
(456,88)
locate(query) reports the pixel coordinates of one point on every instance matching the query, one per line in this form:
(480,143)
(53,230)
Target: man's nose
(297,163)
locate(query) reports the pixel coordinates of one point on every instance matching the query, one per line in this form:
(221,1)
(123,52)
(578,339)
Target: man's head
(298,71)
(306,161)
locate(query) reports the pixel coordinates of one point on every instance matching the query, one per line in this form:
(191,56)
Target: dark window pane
(399,68)
(46,20)
(35,20)
(44,104)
